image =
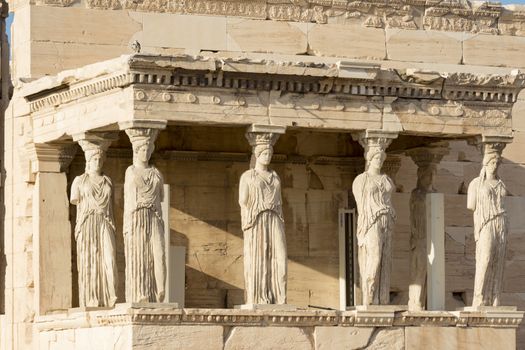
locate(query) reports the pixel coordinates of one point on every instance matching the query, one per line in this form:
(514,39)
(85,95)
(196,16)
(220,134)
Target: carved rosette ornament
(143,223)
(486,197)
(92,193)
(265,257)
(426,159)
(376,216)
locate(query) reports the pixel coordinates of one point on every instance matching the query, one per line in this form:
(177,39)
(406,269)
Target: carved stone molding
(132,314)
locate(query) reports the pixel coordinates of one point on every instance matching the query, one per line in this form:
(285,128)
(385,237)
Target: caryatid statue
(426,159)
(375,222)
(486,197)
(265,258)
(92,193)
(143,223)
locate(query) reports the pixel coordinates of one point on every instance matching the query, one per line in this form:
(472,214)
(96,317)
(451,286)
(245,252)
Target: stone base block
(268,307)
(388,308)
(488,308)
(438,338)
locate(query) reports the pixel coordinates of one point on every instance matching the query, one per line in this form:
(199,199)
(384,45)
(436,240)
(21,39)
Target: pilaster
(51,226)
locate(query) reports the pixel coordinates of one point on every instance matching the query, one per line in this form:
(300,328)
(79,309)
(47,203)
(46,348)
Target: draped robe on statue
(375,222)
(265,265)
(490,234)
(144,235)
(95,237)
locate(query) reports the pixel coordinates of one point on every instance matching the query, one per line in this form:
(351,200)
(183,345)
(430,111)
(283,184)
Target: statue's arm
(75,191)
(357,190)
(472,194)
(243,192)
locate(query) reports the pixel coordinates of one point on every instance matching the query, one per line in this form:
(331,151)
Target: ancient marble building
(311,174)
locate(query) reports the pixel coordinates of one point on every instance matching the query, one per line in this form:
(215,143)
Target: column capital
(491,143)
(430,154)
(497,139)
(264,134)
(375,137)
(261,128)
(96,137)
(95,142)
(143,124)
(50,157)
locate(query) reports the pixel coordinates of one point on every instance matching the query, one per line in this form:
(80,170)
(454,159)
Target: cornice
(71,93)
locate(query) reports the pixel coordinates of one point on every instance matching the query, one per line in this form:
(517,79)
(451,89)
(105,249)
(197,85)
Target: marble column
(426,159)
(265,257)
(376,216)
(92,193)
(144,236)
(486,198)
(51,225)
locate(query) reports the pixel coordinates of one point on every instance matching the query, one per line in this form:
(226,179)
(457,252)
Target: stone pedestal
(267,307)
(164,326)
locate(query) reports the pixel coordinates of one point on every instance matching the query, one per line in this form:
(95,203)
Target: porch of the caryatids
(376,217)
(427,159)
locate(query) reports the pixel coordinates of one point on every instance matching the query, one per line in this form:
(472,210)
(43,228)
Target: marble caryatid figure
(143,223)
(372,191)
(486,195)
(92,193)
(427,159)
(265,259)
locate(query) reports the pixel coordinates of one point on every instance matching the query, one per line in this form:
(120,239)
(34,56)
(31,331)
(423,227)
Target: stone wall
(86,34)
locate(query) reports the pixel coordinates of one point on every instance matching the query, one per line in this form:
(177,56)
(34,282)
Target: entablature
(343,95)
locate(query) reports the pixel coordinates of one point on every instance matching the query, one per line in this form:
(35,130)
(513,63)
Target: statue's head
(142,150)
(143,142)
(263,154)
(95,160)
(425,176)
(95,154)
(375,157)
(491,163)
(262,147)
(491,158)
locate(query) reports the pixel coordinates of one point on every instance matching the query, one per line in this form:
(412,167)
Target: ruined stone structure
(400,96)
